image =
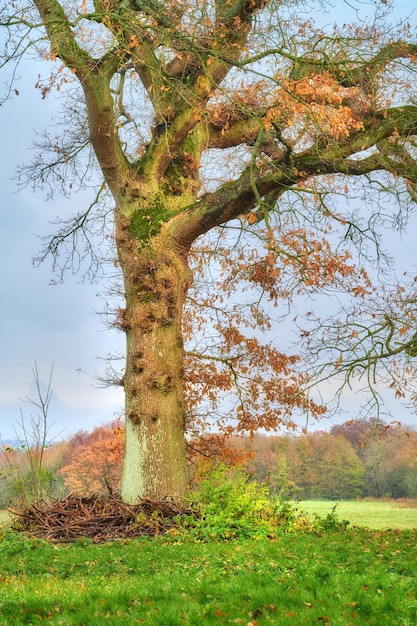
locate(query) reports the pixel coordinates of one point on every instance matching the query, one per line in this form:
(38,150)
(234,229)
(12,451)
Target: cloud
(39,322)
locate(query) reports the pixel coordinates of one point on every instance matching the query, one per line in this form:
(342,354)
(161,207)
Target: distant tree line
(360,458)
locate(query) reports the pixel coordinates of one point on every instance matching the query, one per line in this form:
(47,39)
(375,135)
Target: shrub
(232,506)
(330,522)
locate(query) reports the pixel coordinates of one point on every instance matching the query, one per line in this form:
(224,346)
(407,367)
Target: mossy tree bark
(156,280)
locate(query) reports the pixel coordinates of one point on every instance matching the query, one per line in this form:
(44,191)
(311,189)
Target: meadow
(323,575)
(337,577)
(374,514)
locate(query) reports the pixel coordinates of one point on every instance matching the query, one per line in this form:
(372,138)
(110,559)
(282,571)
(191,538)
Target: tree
(30,466)
(403,473)
(164,88)
(360,432)
(383,449)
(338,466)
(93,461)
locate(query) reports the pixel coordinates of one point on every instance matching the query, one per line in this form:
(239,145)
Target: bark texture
(156,280)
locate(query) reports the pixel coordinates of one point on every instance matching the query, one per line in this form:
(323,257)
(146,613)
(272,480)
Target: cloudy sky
(58,325)
(48,324)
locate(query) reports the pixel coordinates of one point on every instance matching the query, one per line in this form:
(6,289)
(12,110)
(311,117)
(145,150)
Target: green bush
(232,506)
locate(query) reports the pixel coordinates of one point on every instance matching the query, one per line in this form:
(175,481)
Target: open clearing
(349,577)
(374,514)
(354,577)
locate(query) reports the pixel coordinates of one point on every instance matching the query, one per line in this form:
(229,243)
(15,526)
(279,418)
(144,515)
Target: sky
(58,325)
(52,325)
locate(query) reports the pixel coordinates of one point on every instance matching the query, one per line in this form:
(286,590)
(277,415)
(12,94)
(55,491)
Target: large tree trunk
(156,279)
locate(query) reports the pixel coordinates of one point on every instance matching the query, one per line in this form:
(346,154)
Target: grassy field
(348,577)
(339,578)
(368,514)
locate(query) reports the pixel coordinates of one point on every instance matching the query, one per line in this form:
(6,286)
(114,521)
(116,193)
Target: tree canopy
(226,135)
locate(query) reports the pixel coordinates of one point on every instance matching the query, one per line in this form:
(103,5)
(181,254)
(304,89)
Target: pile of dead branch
(99,518)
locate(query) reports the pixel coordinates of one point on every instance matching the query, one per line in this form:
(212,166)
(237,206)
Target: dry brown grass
(5,518)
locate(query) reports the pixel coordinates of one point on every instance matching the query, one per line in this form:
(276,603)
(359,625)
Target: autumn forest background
(363,458)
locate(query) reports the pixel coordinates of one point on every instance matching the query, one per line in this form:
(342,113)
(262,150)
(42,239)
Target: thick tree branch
(365,71)
(95,81)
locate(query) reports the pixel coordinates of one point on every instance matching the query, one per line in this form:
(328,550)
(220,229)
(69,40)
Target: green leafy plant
(329,522)
(232,506)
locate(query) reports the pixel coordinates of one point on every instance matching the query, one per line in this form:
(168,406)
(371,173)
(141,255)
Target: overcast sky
(58,324)
(38,321)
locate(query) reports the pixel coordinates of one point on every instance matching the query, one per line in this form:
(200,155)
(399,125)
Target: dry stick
(97,517)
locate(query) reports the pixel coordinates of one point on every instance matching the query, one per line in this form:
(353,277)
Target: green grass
(374,514)
(339,578)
